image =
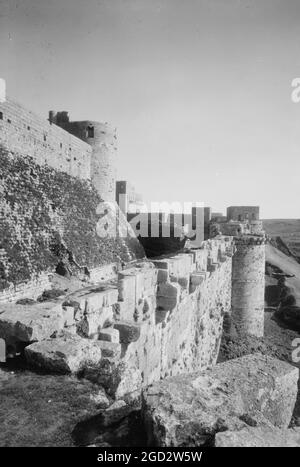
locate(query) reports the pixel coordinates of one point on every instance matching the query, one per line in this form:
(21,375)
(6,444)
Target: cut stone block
(197,278)
(124,311)
(168,290)
(188,410)
(29,323)
(162,276)
(93,322)
(126,287)
(92,299)
(68,316)
(109,335)
(129,332)
(168,295)
(68,354)
(109,349)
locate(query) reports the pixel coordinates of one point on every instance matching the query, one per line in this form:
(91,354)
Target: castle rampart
(24,132)
(165,315)
(248,285)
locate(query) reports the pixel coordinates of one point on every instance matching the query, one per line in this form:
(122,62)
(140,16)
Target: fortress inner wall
(24,132)
(49,223)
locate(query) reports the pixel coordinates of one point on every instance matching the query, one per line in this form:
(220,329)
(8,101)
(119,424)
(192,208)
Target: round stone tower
(248,285)
(102,138)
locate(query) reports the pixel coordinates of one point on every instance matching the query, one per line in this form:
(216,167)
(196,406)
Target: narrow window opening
(1,115)
(60,145)
(8,120)
(28,128)
(90,132)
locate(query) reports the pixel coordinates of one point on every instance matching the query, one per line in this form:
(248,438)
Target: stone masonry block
(162,276)
(129,332)
(93,322)
(29,323)
(68,354)
(109,335)
(197,278)
(187,410)
(109,349)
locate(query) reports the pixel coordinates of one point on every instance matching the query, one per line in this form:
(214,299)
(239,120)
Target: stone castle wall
(160,318)
(24,132)
(183,333)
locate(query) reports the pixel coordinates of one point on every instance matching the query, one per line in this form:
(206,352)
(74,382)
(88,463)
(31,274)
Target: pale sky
(199,90)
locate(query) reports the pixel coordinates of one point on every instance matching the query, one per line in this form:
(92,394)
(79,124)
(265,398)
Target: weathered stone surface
(129,332)
(119,378)
(259,437)
(162,276)
(109,349)
(188,410)
(68,354)
(29,323)
(100,399)
(109,335)
(93,322)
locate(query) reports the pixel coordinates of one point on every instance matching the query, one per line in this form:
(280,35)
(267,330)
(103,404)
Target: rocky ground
(277,342)
(55,410)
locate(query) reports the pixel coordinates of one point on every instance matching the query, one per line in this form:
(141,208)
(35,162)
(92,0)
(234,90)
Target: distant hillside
(287,229)
(283,287)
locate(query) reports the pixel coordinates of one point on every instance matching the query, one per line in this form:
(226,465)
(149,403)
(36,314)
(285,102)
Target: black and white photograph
(149,229)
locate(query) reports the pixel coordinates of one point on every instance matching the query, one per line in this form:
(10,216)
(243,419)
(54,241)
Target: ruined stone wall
(256,227)
(168,318)
(248,285)
(160,318)
(24,132)
(48,220)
